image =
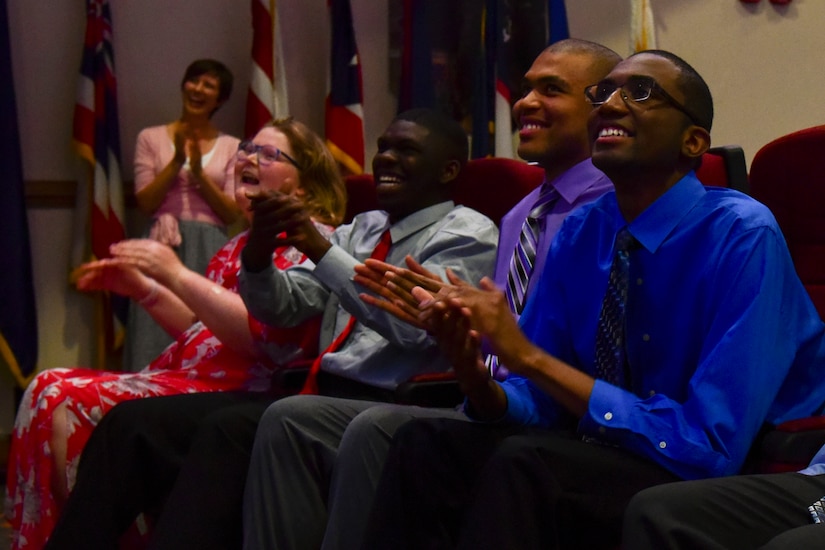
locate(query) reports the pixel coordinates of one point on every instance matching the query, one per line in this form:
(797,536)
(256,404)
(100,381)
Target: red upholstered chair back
(724,167)
(786,176)
(360,195)
(492,186)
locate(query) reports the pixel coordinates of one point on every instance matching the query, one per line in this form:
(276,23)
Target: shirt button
(662,444)
(639,281)
(608,416)
(602,430)
(652,393)
(646,337)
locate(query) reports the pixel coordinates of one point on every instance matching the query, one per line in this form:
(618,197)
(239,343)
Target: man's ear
(695,142)
(450,171)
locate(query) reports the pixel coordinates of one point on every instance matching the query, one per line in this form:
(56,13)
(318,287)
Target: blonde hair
(324,191)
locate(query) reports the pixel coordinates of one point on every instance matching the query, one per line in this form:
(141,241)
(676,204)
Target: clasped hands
(457,314)
(187,145)
(280,219)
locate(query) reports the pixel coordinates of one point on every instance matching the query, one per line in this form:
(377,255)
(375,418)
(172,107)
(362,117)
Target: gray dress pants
(314,469)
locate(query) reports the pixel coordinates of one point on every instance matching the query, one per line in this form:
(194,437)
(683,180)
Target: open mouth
(388,181)
(613,131)
(529,126)
(196,102)
(248,178)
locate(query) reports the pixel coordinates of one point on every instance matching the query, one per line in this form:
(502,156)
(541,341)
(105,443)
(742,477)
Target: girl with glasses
(219,347)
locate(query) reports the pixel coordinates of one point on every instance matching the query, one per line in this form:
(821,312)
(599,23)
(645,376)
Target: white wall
(763,63)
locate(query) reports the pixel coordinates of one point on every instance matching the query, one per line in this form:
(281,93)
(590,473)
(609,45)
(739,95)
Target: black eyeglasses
(267,154)
(637,89)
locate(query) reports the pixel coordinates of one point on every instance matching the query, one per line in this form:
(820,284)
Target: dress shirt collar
(653,226)
(574,182)
(419,220)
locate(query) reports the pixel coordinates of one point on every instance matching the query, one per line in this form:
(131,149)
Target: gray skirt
(145,339)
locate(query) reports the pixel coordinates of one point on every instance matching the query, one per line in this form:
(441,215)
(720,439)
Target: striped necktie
(522,263)
(611,357)
(311,384)
(524,255)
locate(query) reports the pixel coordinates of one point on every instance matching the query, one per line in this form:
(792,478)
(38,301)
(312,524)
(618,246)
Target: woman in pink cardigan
(182,186)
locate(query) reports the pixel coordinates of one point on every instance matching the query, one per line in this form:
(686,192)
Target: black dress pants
(768,511)
(455,484)
(184,453)
(183,458)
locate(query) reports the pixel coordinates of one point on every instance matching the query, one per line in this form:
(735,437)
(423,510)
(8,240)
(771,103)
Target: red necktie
(311,384)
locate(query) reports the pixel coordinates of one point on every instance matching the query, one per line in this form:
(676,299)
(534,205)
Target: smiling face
(646,136)
(251,177)
(200,95)
(552,114)
(411,169)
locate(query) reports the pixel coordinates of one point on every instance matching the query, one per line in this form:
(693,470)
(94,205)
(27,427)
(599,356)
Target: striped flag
(97,139)
(267,97)
(642,29)
(344,109)
(467,58)
(18,315)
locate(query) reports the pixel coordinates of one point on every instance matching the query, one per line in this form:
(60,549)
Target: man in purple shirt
(316,459)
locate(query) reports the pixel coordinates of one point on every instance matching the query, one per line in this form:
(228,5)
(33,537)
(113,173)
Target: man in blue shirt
(772,511)
(719,338)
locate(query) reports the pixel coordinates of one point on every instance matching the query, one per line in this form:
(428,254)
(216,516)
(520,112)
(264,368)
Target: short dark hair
(441,125)
(603,58)
(698,99)
(212,67)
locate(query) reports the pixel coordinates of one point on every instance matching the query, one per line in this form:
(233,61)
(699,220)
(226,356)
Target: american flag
(97,139)
(344,109)
(267,97)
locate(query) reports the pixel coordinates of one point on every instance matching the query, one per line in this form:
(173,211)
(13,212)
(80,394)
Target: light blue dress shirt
(817,465)
(381,351)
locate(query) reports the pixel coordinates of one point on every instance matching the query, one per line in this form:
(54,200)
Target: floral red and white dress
(195,362)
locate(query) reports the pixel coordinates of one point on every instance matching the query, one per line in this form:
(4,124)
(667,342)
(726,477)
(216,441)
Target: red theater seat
(724,167)
(786,177)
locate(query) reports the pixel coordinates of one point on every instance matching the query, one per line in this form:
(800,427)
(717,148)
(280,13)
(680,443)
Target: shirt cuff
(608,412)
(261,276)
(335,269)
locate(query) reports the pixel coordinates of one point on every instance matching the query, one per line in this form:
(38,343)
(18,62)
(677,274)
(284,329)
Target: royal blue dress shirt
(721,335)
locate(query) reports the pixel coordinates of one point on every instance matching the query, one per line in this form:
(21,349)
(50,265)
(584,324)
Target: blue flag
(18,316)
(557,16)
